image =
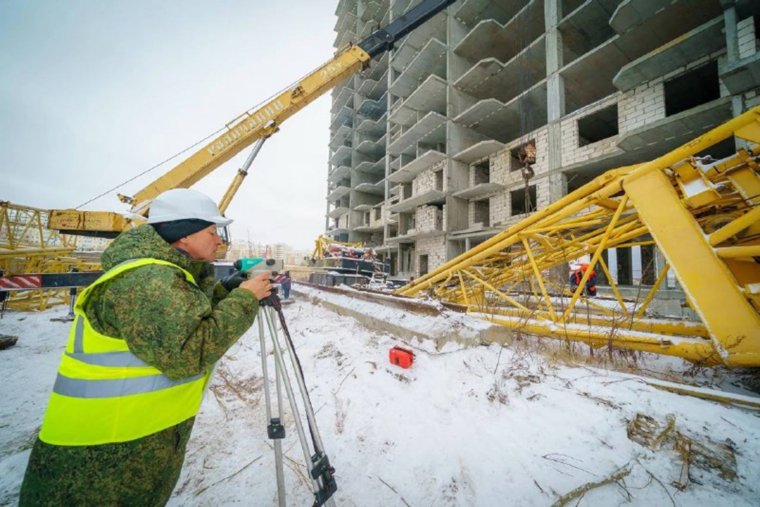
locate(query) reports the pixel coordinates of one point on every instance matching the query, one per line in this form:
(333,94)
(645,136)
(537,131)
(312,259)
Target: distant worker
(575,279)
(284,280)
(139,355)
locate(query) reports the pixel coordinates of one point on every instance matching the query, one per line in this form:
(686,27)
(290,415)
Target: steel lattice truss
(703,216)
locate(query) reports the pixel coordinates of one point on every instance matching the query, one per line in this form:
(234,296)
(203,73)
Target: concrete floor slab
(489,38)
(372,128)
(429,197)
(411,170)
(742,75)
(478,151)
(429,96)
(338,173)
(470,12)
(489,78)
(342,99)
(370,188)
(586,26)
(431,59)
(478,191)
(338,192)
(373,109)
(679,52)
(633,13)
(342,156)
(338,212)
(343,117)
(430,129)
(506,122)
(675,130)
(340,137)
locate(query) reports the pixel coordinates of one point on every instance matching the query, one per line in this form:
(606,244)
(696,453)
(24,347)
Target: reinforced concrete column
(732,56)
(555,98)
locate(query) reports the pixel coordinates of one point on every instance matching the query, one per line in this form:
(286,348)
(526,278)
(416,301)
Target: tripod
(321,473)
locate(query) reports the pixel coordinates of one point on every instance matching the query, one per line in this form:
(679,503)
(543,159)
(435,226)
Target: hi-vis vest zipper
(105,394)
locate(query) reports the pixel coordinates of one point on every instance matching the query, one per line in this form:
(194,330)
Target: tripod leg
(274,433)
(280,364)
(319,459)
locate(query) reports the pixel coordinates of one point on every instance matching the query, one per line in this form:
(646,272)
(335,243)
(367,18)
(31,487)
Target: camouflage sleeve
(170,323)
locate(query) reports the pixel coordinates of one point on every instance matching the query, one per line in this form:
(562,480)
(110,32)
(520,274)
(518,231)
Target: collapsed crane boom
(252,125)
(704,218)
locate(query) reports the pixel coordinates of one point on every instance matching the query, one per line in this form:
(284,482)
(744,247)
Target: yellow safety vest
(105,394)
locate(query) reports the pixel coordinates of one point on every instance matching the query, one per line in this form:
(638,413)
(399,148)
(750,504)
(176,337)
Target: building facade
(428,145)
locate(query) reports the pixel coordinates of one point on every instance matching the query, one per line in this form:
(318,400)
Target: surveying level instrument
(320,471)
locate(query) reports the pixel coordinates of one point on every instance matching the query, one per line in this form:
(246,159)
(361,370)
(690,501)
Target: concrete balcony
(338,212)
(343,98)
(340,137)
(344,116)
(371,188)
(338,192)
(373,128)
(431,59)
(742,75)
(338,173)
(668,133)
(431,196)
(374,88)
(431,129)
(505,122)
(411,170)
(372,109)
(342,156)
(702,41)
(490,38)
(480,190)
(429,96)
(470,12)
(478,151)
(376,168)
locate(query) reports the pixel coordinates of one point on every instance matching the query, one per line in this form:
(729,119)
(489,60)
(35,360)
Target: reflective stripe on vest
(105,394)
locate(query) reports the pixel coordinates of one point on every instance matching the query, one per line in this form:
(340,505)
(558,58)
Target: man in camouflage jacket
(172,325)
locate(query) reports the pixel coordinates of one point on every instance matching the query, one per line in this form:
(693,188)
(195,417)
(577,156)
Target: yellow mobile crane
(251,126)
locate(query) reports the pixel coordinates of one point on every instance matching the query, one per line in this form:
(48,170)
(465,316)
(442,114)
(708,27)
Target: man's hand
(259,285)
(234,280)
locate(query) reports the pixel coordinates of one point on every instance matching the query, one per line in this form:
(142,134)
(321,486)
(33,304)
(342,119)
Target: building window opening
(423,264)
(523,155)
(439,181)
(481,212)
(597,126)
(694,88)
(648,268)
(481,173)
(522,201)
(624,266)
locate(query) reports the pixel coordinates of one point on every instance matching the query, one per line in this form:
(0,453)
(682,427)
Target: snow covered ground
(478,426)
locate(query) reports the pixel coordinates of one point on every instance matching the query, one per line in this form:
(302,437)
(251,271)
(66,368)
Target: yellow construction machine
(703,215)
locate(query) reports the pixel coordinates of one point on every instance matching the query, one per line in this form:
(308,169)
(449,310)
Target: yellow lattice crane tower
(703,215)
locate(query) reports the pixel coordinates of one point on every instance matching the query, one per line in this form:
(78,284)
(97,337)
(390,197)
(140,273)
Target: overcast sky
(94,92)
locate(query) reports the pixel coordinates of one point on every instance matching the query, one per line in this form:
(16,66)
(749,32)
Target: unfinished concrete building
(495,108)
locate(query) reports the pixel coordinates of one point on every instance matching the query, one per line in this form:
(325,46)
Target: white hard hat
(184,204)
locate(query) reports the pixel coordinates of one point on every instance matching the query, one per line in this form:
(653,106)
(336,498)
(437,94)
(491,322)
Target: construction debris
(616,476)
(646,431)
(702,452)
(7,341)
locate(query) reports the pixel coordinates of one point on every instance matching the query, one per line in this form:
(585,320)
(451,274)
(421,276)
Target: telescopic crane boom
(249,127)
